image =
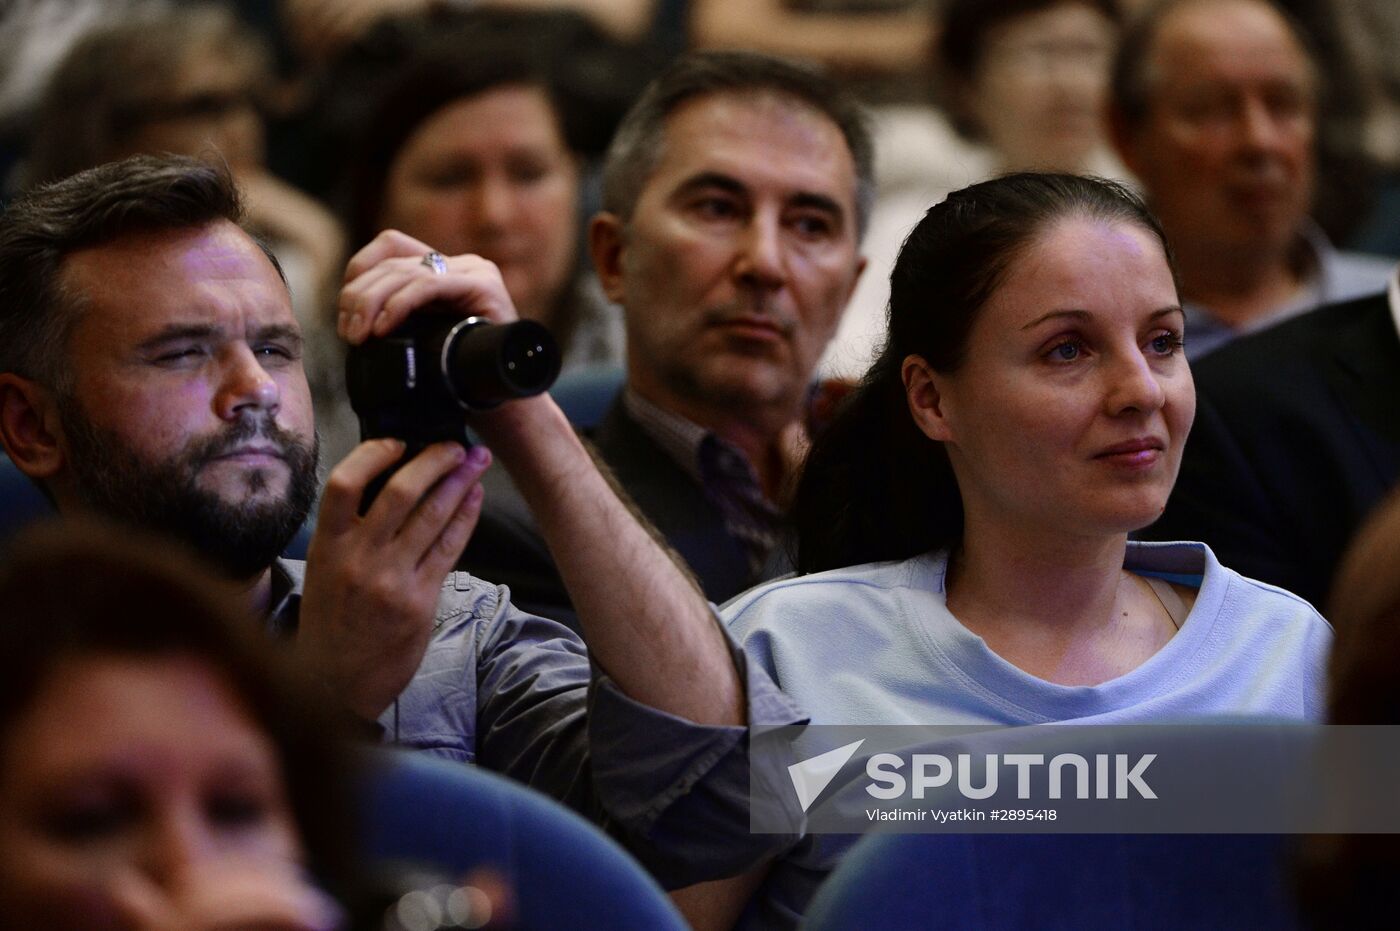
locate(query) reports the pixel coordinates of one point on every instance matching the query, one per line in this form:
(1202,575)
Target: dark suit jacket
(1296,439)
(507,547)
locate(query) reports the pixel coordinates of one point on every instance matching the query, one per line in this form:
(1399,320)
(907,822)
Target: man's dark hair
(1132,79)
(43,226)
(636,149)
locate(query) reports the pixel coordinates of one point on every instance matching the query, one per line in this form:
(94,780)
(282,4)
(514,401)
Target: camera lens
(488,364)
(528,360)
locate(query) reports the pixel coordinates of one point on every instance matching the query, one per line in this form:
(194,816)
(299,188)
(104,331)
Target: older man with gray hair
(734,196)
(1215,111)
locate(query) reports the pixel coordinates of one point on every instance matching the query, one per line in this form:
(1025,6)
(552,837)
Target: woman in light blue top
(963,552)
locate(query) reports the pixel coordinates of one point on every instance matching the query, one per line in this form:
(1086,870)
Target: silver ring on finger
(436,262)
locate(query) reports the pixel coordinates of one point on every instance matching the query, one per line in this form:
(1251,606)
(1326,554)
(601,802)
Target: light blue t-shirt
(876,644)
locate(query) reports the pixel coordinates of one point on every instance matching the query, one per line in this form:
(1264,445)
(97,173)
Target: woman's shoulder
(1235,606)
(836,596)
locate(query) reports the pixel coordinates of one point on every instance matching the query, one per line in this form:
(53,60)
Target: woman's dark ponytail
(873,486)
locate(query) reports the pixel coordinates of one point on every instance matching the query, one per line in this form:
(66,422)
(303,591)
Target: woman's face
(1068,413)
(490,174)
(1040,87)
(129,773)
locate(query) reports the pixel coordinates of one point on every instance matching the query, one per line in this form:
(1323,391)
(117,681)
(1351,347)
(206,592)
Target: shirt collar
(678,437)
(285,599)
(1205,332)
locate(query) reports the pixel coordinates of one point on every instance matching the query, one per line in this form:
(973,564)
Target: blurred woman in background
(1028,79)
(470,132)
(1024,84)
(187,81)
(475,144)
(155,771)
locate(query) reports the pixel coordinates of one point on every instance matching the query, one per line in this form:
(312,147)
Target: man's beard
(242,540)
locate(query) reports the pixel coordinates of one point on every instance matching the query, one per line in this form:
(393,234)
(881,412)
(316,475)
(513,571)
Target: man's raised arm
(646,624)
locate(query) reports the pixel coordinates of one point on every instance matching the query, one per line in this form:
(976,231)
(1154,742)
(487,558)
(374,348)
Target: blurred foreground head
(153,761)
(1346,880)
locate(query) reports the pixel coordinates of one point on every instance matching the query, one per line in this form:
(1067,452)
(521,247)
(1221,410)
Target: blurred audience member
(320,29)
(185,81)
(474,145)
(475,139)
(734,196)
(1347,881)
(857,36)
(35,35)
(1029,79)
(592,78)
(1215,111)
(1297,438)
(155,773)
(1025,84)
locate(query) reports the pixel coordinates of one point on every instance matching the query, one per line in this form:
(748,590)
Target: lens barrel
(486,364)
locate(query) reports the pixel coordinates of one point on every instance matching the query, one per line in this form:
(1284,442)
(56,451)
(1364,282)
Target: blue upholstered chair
(1075,882)
(565,873)
(20,501)
(1084,882)
(586,395)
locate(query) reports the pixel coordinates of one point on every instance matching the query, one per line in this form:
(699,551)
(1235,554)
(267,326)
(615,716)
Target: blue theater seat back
(1074,882)
(585,396)
(21,503)
(1084,882)
(565,872)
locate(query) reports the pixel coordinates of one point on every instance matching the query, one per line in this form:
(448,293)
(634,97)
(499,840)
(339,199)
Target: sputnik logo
(811,776)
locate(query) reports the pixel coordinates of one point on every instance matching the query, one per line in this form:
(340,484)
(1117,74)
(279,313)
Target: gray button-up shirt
(516,693)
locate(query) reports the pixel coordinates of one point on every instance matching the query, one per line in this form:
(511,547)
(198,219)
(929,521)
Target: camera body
(417,383)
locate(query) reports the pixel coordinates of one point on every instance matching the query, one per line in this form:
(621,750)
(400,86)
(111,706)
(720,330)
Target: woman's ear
(926,401)
(29,427)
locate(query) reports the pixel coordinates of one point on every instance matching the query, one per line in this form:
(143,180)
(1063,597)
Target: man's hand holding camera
(388,280)
(372,580)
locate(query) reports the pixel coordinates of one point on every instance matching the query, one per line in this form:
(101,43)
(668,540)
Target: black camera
(417,383)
